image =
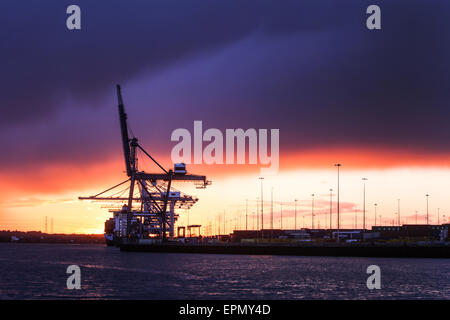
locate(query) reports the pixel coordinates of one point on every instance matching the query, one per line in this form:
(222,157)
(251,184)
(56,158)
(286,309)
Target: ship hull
(109,239)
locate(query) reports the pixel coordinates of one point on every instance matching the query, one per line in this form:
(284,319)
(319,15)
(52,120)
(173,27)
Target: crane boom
(124,131)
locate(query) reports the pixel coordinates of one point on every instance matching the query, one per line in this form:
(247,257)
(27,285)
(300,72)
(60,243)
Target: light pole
(218,226)
(271,214)
(257,213)
(439,222)
(376,214)
(246,214)
(398,211)
(312,212)
(427,195)
(271,210)
(262,207)
(224,223)
(364,205)
(281,215)
(338,165)
(253,219)
(295,221)
(331,206)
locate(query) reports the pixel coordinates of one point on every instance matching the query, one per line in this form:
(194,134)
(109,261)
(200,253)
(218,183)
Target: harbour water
(38,271)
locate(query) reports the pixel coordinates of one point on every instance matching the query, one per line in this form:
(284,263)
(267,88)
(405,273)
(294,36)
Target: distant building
(405,232)
(242,235)
(348,234)
(412,231)
(386,232)
(297,234)
(239,235)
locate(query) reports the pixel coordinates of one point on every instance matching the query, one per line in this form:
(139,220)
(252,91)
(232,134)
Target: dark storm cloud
(310,68)
(42,61)
(328,87)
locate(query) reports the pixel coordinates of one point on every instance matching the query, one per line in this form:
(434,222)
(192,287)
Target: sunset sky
(375,101)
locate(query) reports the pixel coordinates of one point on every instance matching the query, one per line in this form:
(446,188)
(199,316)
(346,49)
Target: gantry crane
(152,192)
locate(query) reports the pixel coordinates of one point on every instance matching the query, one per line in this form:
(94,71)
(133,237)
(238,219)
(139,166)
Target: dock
(336,250)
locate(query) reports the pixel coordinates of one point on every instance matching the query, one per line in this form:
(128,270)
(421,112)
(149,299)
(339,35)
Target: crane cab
(180,168)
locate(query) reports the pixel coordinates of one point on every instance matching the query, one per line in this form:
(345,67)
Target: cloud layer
(310,68)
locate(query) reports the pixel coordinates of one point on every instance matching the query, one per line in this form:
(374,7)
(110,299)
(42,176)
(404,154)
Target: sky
(374,100)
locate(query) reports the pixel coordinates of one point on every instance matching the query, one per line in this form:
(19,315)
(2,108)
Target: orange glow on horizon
(60,177)
(52,190)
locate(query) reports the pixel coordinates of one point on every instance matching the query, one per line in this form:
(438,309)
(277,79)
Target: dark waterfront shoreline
(342,250)
(7,236)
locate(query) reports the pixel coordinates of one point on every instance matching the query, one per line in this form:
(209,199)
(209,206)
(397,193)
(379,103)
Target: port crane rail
(154,190)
